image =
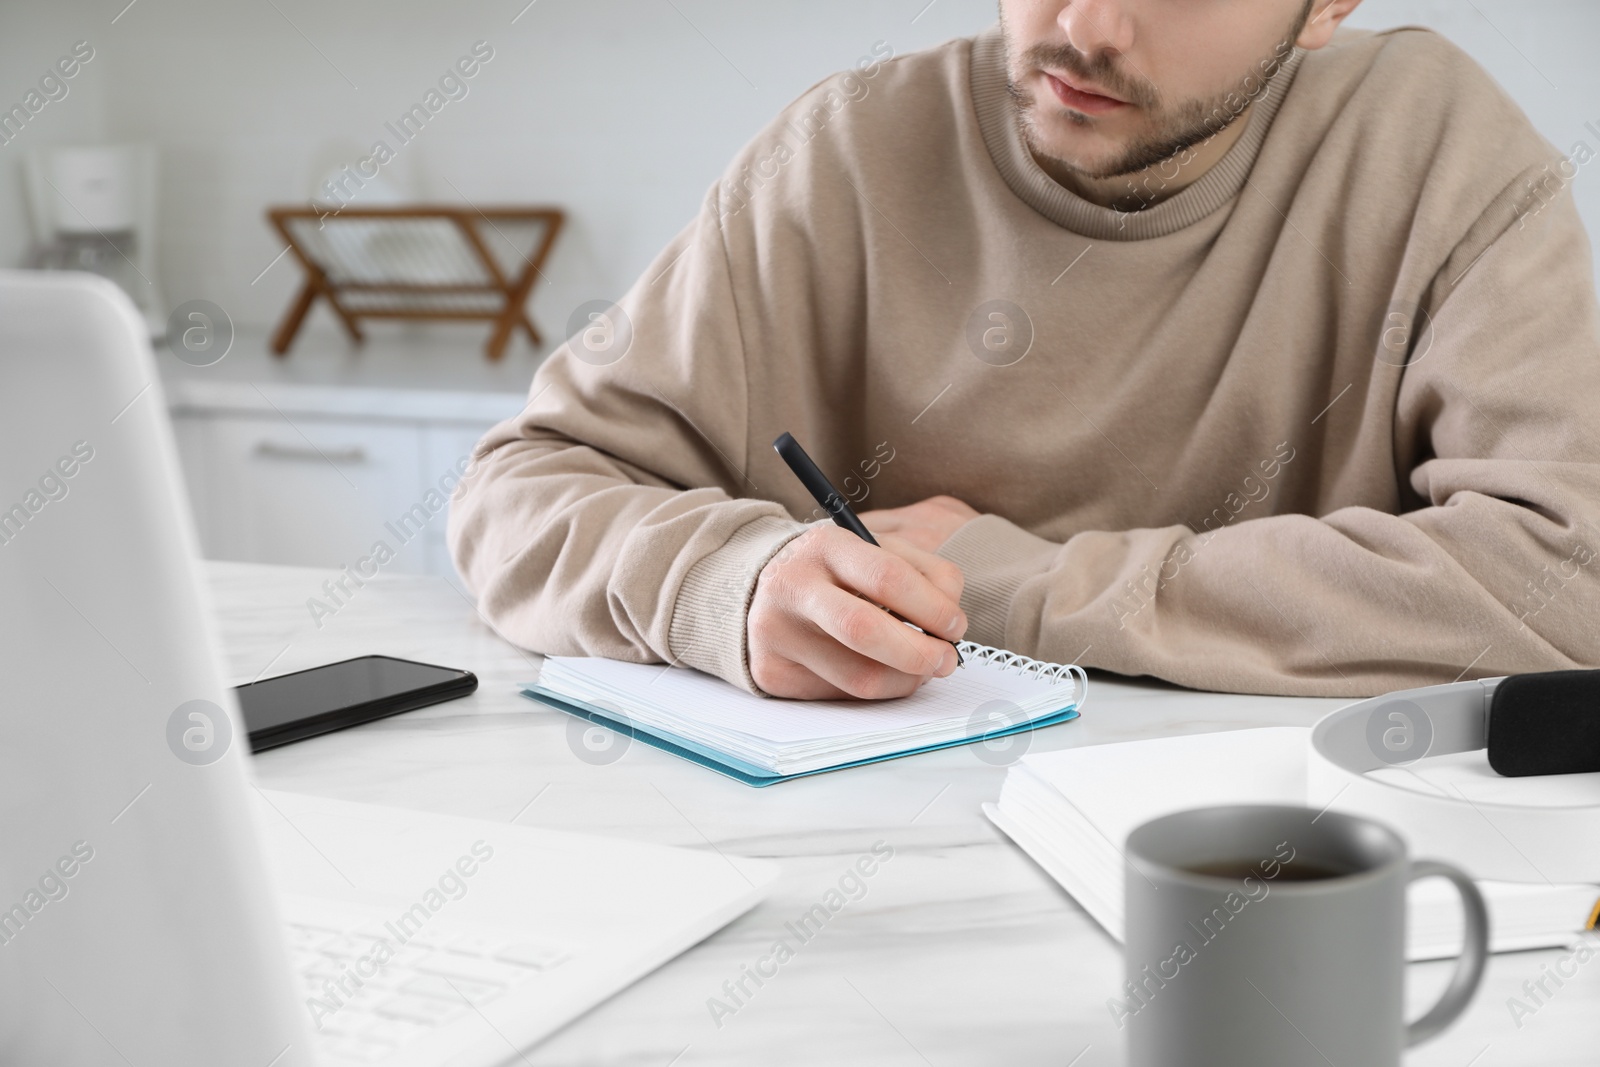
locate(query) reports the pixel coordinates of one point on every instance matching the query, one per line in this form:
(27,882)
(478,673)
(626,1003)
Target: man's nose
(1094,26)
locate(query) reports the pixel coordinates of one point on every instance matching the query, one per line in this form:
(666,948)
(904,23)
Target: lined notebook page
(664,695)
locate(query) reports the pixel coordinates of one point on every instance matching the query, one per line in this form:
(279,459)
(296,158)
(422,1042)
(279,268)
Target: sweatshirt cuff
(708,618)
(995,557)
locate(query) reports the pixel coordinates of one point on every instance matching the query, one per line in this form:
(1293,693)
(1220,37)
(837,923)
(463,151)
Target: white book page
(1118,787)
(1468,775)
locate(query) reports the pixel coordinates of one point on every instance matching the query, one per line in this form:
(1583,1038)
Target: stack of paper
(717,721)
(1072,811)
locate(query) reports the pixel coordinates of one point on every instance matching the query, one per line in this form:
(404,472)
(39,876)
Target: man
(1173,339)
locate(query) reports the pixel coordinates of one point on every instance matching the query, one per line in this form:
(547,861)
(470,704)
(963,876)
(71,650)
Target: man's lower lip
(1077,100)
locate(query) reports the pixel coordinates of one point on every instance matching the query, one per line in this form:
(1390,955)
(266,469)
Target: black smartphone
(293,707)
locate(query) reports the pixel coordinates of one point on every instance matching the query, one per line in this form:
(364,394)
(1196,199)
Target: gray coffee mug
(1267,935)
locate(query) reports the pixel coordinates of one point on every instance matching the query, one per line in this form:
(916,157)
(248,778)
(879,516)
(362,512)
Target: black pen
(818,486)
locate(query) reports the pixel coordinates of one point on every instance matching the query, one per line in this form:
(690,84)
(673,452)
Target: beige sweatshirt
(1322,423)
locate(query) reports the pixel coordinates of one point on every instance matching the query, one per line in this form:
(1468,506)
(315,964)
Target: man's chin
(1092,157)
(1096,170)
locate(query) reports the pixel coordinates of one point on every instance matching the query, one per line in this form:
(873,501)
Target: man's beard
(1189,124)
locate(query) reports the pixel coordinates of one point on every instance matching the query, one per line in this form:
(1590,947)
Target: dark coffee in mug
(1295,871)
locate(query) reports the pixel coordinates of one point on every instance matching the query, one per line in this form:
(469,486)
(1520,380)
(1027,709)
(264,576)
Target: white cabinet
(446,449)
(319,476)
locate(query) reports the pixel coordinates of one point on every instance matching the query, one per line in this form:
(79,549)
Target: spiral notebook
(762,741)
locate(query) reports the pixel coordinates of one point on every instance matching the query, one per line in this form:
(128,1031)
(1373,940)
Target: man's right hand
(816,631)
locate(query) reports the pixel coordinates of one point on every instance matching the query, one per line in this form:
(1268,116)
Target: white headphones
(1495,841)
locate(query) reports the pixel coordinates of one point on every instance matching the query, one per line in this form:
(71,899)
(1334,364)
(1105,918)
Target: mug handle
(1474,952)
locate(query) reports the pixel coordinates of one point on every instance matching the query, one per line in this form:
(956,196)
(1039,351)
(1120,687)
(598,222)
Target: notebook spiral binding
(1040,669)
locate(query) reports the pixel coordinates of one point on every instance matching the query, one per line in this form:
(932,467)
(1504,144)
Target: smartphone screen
(316,701)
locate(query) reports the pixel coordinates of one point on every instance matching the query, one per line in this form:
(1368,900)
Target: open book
(1072,811)
(760,740)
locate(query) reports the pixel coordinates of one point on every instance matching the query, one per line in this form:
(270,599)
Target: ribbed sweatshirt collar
(1002,133)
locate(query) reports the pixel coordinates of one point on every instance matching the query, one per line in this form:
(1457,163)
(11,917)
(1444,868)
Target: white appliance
(94,209)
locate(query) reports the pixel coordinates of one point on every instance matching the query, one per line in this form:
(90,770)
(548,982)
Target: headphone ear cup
(1545,723)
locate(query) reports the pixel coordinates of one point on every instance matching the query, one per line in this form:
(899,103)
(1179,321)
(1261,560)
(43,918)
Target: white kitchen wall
(1541,51)
(622,111)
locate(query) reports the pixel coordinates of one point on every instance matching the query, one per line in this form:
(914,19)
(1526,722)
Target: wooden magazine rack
(418,262)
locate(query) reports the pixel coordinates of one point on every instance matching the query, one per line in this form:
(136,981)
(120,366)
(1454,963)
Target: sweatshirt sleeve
(1490,569)
(611,517)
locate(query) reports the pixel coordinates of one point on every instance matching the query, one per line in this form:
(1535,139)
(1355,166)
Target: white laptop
(158,908)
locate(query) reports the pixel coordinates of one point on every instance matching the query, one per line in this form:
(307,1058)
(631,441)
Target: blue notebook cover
(749,773)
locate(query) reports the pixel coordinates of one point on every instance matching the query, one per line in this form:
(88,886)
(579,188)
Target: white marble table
(961,952)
